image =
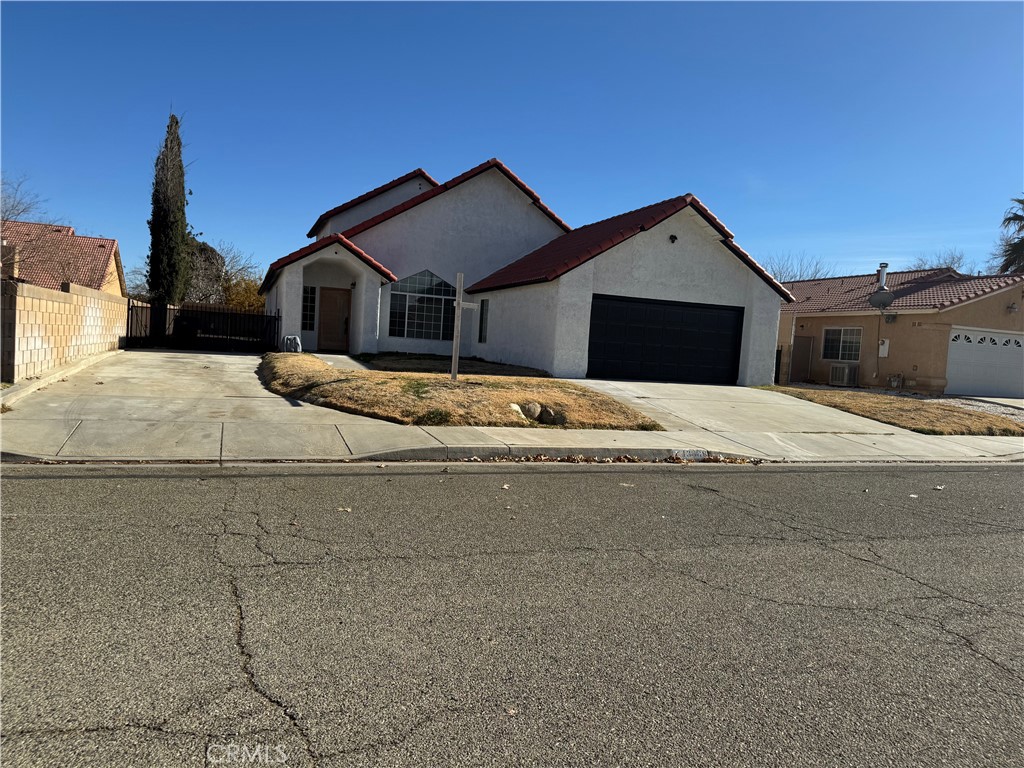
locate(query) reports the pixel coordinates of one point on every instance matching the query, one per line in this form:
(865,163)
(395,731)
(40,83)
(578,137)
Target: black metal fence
(201,327)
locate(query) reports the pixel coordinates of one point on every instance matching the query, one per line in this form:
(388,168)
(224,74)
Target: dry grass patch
(929,418)
(435,400)
(417,363)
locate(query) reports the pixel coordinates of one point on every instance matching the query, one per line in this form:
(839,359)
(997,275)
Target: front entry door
(335,304)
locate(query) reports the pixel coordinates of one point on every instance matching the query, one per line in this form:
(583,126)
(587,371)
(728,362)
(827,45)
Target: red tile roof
(570,250)
(320,244)
(918,289)
(419,172)
(441,189)
(52,254)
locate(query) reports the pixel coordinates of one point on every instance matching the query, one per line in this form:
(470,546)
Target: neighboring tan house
(943,333)
(50,255)
(660,293)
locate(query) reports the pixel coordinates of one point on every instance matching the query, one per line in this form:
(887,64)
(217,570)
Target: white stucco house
(660,293)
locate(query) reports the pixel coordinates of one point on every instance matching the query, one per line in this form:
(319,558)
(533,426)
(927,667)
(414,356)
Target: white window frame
(309,302)
(842,332)
(445,304)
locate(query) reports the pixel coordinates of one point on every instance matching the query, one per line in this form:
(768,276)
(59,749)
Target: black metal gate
(208,327)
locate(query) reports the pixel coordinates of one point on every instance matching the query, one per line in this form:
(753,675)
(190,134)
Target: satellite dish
(881,299)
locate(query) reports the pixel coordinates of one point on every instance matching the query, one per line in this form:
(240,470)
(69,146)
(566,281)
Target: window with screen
(841,344)
(422,307)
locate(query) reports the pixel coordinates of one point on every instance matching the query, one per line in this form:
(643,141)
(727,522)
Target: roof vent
(882,297)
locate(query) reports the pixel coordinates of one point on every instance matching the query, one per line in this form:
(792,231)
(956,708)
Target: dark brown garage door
(664,341)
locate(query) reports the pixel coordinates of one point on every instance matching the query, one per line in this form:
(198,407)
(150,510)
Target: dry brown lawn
(433,399)
(410,363)
(930,418)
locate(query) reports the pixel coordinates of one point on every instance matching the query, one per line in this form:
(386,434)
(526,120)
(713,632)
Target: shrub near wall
(44,329)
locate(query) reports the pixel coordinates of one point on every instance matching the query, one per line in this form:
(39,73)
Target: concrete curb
(14,393)
(491,453)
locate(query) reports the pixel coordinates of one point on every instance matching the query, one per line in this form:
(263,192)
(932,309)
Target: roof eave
(367,196)
(319,245)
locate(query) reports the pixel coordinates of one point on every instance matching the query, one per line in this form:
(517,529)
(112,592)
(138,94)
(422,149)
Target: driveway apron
(172,405)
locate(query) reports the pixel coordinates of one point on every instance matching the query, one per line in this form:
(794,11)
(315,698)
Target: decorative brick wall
(44,329)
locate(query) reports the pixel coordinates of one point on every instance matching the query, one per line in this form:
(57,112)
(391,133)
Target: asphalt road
(512,615)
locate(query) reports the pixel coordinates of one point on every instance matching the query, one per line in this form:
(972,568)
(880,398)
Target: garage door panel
(668,341)
(985,363)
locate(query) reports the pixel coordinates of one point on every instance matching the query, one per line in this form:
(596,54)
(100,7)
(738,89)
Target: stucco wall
(335,268)
(547,325)
(288,295)
(696,268)
(475,228)
(44,329)
(918,341)
(367,210)
(111,280)
(332,267)
(520,326)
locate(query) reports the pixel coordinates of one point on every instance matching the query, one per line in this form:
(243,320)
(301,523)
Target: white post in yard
(457,334)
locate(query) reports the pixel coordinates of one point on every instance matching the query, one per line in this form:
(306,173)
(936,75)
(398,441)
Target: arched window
(422,307)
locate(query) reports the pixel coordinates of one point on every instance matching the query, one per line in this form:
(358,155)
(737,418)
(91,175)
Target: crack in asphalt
(254,526)
(157,728)
(965,641)
(750,510)
(245,653)
(255,684)
(379,745)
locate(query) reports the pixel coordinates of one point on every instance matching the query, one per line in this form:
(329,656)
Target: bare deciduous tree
(20,203)
(242,278)
(206,273)
(137,283)
(36,249)
(789,267)
(951,258)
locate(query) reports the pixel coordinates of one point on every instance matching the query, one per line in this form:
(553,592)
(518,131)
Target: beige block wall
(44,329)
(918,342)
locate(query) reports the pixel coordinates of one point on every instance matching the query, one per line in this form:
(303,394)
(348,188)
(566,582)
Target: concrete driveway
(767,424)
(176,405)
(734,409)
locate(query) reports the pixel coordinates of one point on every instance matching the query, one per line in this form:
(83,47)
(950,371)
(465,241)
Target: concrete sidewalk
(172,406)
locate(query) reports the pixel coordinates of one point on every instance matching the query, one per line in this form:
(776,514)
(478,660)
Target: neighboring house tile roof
(419,172)
(936,289)
(49,255)
(579,246)
(451,184)
(320,244)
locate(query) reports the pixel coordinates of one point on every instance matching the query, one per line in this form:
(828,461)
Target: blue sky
(854,132)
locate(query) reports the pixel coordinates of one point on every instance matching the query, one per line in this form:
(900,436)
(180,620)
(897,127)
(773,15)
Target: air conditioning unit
(841,375)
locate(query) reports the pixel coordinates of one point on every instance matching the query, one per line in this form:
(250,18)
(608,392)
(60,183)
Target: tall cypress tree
(169,259)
